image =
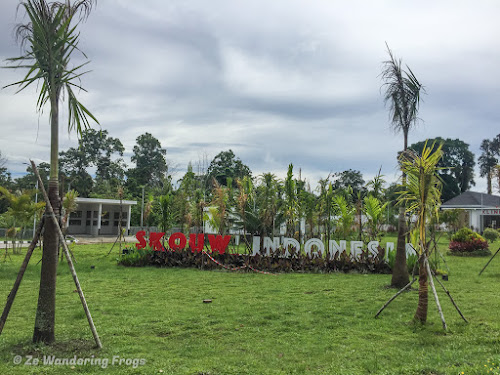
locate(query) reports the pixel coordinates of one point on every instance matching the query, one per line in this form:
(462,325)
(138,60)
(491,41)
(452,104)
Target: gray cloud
(278,82)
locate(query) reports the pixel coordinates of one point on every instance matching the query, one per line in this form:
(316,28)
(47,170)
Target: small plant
(136,258)
(491,234)
(466,242)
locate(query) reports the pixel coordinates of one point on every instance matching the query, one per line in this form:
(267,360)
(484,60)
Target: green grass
(256,324)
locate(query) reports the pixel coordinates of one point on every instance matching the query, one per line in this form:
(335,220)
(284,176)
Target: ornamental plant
(467,242)
(491,234)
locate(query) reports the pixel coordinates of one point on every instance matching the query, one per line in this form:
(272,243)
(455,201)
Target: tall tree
(29,181)
(456,165)
(150,164)
(226,165)
(423,195)
(73,165)
(290,203)
(49,40)
(402,94)
(349,179)
(488,159)
(5,178)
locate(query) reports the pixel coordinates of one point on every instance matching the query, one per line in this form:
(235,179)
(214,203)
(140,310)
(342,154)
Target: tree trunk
(46,309)
(400,276)
(423,288)
(488,182)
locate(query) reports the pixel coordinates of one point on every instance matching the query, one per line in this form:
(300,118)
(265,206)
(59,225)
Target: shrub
(466,234)
(297,262)
(491,234)
(467,242)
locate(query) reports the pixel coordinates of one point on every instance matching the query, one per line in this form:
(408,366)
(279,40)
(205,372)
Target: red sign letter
(198,247)
(182,241)
(218,243)
(140,237)
(154,241)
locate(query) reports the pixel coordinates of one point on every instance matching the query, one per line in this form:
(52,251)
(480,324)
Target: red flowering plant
(467,242)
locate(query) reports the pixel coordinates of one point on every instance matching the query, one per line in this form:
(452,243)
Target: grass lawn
(256,324)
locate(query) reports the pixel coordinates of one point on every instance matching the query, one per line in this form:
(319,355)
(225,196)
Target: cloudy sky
(278,82)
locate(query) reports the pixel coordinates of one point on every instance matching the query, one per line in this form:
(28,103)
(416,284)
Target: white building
(483,209)
(96,216)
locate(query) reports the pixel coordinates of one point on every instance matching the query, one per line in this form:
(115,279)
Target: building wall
(86,220)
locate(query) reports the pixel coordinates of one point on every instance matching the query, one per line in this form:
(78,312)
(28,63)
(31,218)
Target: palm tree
(49,40)
(290,203)
(374,211)
(402,93)
(488,160)
(423,195)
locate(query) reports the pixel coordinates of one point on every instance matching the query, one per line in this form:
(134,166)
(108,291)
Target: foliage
(466,234)
(456,165)
(290,206)
(467,242)
(276,262)
(489,159)
(374,211)
(423,188)
(350,180)
(491,234)
(166,211)
(422,197)
(150,164)
(226,165)
(136,257)
(345,216)
(454,218)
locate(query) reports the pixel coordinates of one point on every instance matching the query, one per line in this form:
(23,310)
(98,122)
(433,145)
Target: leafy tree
(456,165)
(22,209)
(268,201)
(73,164)
(150,164)
(402,93)
(49,40)
(95,149)
(226,165)
(219,210)
(489,159)
(29,180)
(349,179)
(423,194)
(166,214)
(5,177)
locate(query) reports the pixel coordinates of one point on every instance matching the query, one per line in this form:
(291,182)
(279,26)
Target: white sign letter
(314,242)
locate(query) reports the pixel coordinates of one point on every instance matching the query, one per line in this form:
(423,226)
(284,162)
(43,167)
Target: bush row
(297,262)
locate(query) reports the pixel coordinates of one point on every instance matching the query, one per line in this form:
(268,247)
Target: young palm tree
(402,93)
(423,195)
(49,40)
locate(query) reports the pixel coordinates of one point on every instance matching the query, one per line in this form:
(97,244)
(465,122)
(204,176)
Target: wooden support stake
(394,297)
(452,300)
(489,262)
(17,283)
(426,262)
(68,257)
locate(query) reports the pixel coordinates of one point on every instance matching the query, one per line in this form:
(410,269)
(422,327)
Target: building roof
(113,202)
(472,199)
